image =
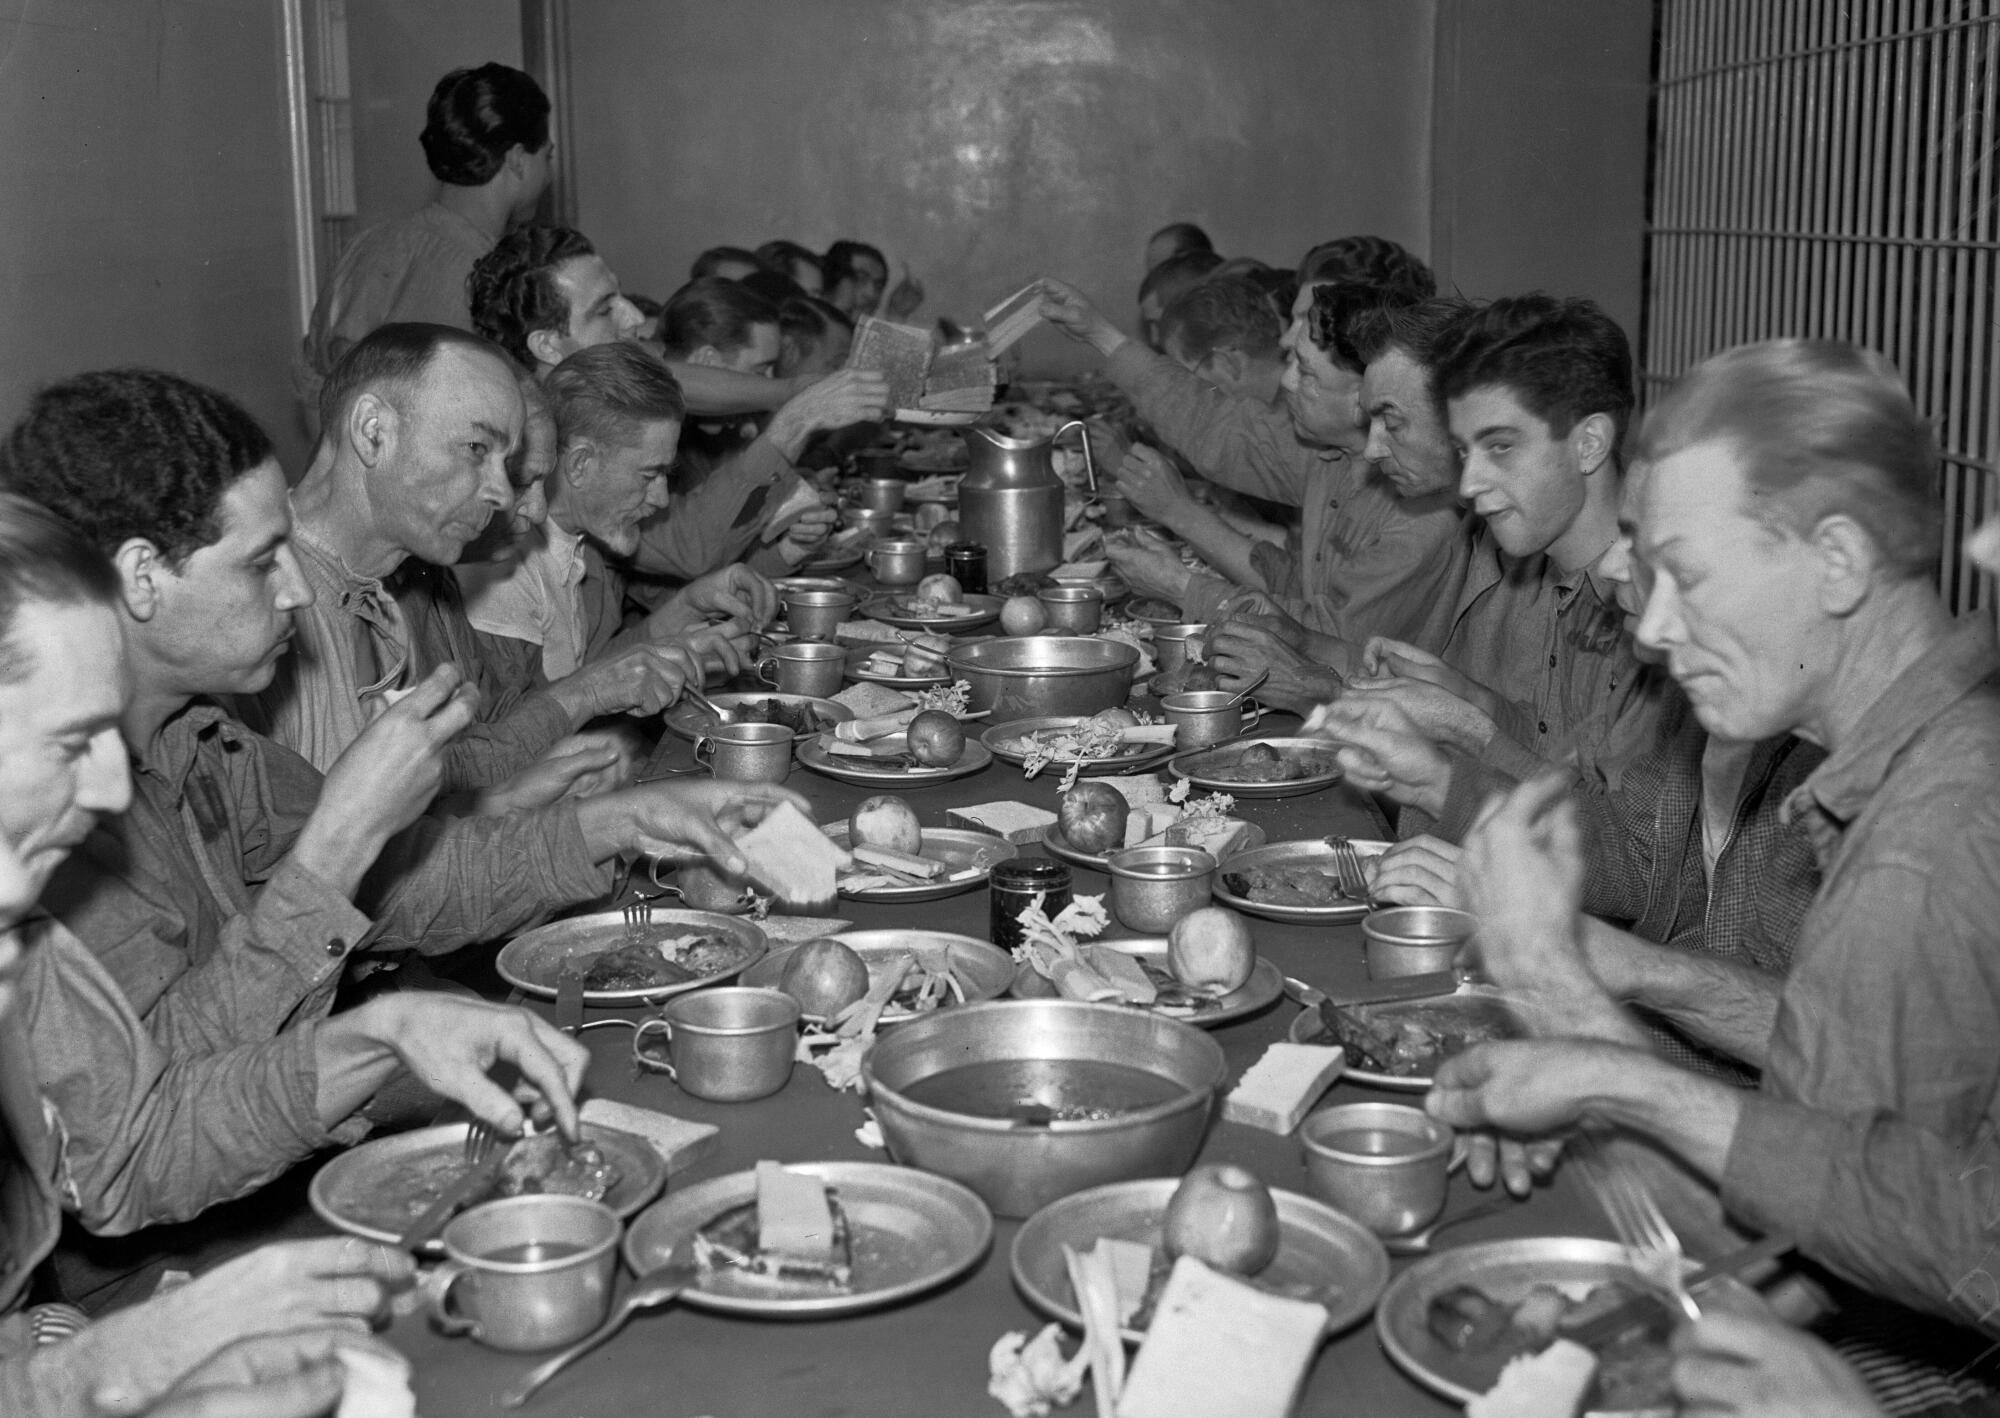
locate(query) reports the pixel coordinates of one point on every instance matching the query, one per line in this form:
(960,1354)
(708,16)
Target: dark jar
(1013,888)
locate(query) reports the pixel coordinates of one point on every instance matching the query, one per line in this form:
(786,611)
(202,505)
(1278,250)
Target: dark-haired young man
(1168,282)
(486,139)
(1175,239)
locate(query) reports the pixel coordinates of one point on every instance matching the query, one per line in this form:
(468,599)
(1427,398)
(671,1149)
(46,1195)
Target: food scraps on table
(1104,737)
(1409,1039)
(1101,974)
(1633,1368)
(652,962)
(1304,885)
(794,1236)
(1031,1376)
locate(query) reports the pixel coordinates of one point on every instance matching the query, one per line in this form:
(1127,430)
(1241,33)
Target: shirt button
(336,947)
(1543,726)
(1552,662)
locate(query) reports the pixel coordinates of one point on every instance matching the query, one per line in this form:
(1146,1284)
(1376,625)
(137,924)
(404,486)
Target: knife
(569,1002)
(1612,1323)
(1425,986)
(469,1188)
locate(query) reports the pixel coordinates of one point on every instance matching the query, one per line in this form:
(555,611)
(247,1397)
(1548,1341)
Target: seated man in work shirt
(227,900)
(1788,522)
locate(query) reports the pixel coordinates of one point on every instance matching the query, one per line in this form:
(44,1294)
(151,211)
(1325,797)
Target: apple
(1224,1217)
(886,822)
(1116,718)
(945,590)
(925,655)
(944,534)
(936,739)
(1092,817)
(1023,615)
(825,976)
(1210,950)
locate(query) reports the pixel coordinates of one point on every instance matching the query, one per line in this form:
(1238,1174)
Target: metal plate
(957,847)
(1203,766)
(1298,854)
(1131,758)
(1505,1270)
(377,1189)
(1058,846)
(1320,1252)
(984,970)
(1265,984)
(862,772)
(936,417)
(835,559)
(532,962)
(982,610)
(1472,1000)
(911,1231)
(858,657)
(690,721)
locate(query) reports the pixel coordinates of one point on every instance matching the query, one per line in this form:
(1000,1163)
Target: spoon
(722,716)
(1418,1243)
(1237,698)
(656,1287)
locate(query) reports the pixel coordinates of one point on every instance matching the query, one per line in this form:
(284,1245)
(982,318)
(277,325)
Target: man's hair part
(390,361)
(476,117)
(513,291)
(711,261)
(712,312)
(44,560)
(1562,359)
(607,393)
(1371,261)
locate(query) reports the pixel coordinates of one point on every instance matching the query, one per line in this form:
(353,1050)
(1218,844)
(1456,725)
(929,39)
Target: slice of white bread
(870,701)
(373,1385)
(1221,1349)
(1550,1384)
(1148,821)
(1275,1092)
(793,1218)
(791,857)
(1019,823)
(1138,789)
(679,1142)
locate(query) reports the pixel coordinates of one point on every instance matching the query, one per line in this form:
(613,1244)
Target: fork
(1347,866)
(1650,1243)
(479,1142)
(639,913)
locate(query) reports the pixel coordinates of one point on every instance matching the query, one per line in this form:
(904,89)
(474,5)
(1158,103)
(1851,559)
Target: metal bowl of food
(1032,676)
(1029,1100)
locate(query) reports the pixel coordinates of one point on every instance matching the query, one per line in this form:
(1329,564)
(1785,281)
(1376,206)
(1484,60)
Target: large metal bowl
(1019,1165)
(1031,676)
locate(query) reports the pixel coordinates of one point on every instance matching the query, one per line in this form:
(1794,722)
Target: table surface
(929,1355)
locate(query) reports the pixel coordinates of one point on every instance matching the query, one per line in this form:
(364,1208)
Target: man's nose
(106,783)
(1377,450)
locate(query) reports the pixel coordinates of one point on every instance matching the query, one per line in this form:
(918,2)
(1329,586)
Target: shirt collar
(174,749)
(1841,786)
(565,551)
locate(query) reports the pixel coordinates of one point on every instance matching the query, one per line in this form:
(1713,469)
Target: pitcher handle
(1089,464)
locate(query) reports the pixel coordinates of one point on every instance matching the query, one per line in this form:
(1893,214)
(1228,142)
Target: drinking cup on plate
(811,667)
(1413,940)
(1079,609)
(883,494)
(816,615)
(747,753)
(1203,716)
(1384,1164)
(527,1272)
(873,523)
(899,562)
(1153,887)
(1170,644)
(727,1045)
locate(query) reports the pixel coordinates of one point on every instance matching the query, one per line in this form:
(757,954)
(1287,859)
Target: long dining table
(928,1355)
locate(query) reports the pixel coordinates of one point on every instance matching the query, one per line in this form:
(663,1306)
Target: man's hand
(701,816)
(806,534)
(1382,750)
(298,1374)
(1436,713)
(1383,658)
(640,679)
(723,651)
(1151,482)
(1423,871)
(384,780)
(1066,308)
(1741,1359)
(1488,1157)
(904,297)
(1148,568)
(1242,648)
(844,397)
(733,593)
(577,766)
(1526,1087)
(452,1045)
(341,1284)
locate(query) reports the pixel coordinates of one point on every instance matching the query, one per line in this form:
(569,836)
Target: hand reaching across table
(639,679)
(1070,311)
(1383,750)
(734,592)
(701,816)
(1150,482)
(1243,647)
(1149,567)
(807,534)
(847,396)
(297,1374)
(1740,1359)
(1424,871)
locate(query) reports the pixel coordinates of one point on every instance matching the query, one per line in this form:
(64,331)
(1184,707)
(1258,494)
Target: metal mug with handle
(727,1045)
(747,753)
(527,1272)
(899,562)
(810,667)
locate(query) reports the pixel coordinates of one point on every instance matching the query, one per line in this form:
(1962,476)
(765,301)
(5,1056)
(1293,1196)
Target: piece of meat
(638,966)
(546,1163)
(1467,1321)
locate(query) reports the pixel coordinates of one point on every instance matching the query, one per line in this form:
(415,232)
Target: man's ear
(708,355)
(577,462)
(1595,439)
(372,424)
(546,347)
(140,570)
(1229,364)
(1849,560)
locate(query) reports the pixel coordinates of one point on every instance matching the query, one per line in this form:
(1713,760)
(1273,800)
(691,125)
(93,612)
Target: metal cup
(898,563)
(747,753)
(874,523)
(727,1045)
(1170,646)
(811,667)
(1413,940)
(1203,716)
(1153,887)
(1384,1164)
(527,1272)
(1079,609)
(883,494)
(816,615)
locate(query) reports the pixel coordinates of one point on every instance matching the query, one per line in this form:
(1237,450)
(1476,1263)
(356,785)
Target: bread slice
(1150,820)
(1275,1092)
(1138,789)
(1222,1349)
(792,858)
(1550,1384)
(1018,823)
(869,701)
(793,1219)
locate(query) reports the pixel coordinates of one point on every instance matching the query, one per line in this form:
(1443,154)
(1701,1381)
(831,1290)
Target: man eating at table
(227,901)
(1788,526)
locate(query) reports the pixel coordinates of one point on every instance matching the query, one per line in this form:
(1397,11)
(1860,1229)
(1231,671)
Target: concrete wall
(990,140)
(144,213)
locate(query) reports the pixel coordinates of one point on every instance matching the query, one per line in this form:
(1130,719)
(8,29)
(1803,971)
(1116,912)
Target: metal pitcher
(1010,500)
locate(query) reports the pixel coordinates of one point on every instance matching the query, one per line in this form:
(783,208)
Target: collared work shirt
(722,500)
(360,636)
(1369,563)
(536,597)
(412,268)
(192,903)
(1877,1135)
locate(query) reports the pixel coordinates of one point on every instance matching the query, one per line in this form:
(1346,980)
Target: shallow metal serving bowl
(533,961)
(1032,676)
(1019,1166)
